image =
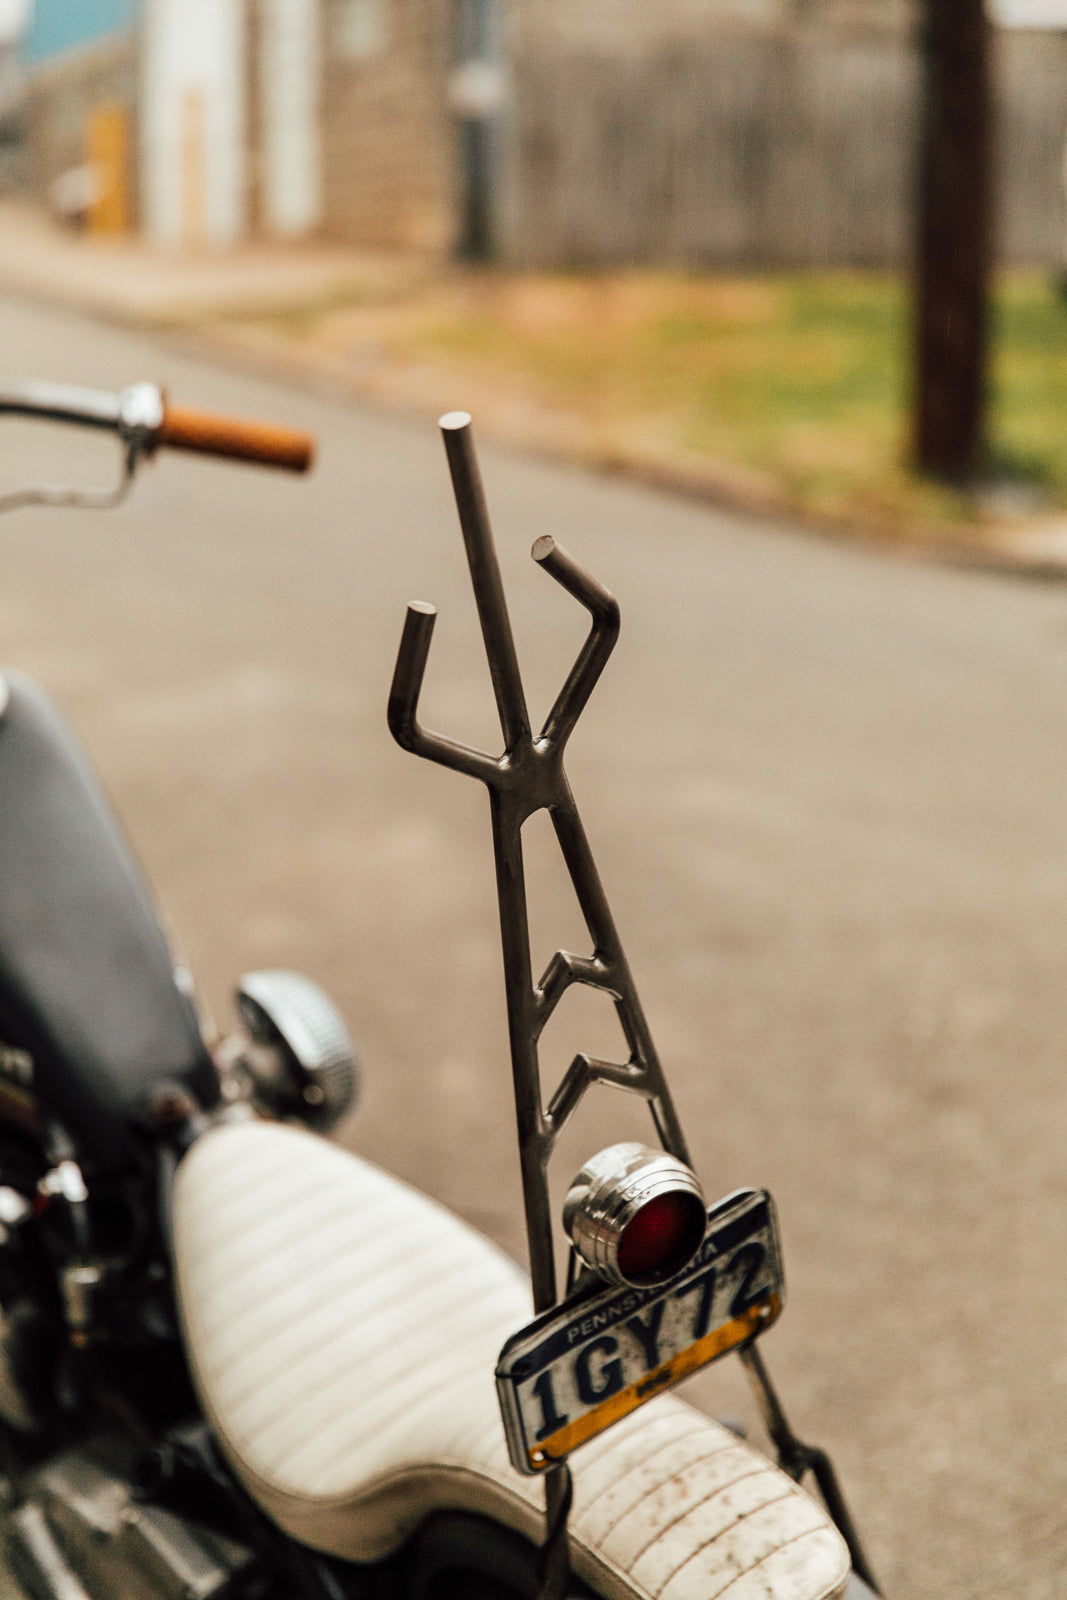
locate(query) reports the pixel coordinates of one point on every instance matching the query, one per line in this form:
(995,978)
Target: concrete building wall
(719,132)
(288,115)
(193,124)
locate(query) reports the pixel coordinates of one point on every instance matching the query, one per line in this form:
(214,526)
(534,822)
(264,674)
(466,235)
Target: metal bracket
(797,1459)
(529,777)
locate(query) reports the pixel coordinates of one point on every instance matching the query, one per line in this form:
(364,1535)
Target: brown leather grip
(263,443)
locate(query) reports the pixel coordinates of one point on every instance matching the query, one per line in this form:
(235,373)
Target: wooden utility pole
(954,240)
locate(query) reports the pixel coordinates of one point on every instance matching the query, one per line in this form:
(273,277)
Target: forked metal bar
(485,576)
(526,778)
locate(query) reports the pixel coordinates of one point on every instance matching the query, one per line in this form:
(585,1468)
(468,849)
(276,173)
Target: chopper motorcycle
(238,1362)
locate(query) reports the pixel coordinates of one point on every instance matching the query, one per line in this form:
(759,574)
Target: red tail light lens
(660,1239)
(635,1215)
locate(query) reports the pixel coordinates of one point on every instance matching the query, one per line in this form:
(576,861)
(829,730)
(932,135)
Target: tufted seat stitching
(665,1524)
(703,1449)
(751,1525)
(360,1359)
(376,1409)
(761,1496)
(322,1266)
(383,1429)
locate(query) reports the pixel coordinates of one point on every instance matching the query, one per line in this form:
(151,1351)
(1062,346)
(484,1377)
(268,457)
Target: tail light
(635,1216)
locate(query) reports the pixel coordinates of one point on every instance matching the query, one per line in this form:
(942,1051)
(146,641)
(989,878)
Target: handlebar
(145,421)
(61,402)
(264,444)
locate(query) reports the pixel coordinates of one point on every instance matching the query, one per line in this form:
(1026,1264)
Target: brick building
(387,158)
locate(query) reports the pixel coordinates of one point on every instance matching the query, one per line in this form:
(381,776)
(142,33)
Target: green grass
(1029,398)
(799,379)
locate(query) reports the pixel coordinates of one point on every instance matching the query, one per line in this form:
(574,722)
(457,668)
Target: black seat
(86,983)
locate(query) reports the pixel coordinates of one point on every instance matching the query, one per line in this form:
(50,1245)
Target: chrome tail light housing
(635,1216)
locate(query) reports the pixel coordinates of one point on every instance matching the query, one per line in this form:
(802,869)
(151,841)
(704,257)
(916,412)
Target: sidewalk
(254,306)
(136,283)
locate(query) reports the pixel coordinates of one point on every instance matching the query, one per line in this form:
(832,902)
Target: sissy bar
(529,777)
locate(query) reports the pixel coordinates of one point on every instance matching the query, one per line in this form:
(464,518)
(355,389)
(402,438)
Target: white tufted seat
(343,1332)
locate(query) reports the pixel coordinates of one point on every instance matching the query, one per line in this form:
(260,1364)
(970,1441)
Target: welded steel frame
(527,778)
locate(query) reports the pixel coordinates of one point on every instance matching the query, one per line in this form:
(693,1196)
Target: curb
(1038,552)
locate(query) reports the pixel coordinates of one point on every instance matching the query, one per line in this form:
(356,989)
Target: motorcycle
(238,1362)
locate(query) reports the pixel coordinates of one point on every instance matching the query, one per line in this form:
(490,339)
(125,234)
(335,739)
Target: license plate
(594,1358)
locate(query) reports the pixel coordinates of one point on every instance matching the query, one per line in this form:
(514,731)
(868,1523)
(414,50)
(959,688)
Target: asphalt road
(827,790)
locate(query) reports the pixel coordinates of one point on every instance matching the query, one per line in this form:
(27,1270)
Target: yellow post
(107,152)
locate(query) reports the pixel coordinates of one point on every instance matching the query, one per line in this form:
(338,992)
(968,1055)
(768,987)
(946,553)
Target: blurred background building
(81,90)
(730,132)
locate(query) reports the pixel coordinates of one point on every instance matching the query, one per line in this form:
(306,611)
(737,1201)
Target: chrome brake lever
(135,415)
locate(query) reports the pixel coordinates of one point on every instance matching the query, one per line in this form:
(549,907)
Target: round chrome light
(298,1055)
(635,1215)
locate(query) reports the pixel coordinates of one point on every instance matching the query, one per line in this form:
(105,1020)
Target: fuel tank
(89,1008)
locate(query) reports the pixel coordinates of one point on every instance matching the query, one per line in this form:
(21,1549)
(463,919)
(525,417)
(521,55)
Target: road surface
(828,792)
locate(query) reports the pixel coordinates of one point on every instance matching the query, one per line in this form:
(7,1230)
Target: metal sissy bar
(529,777)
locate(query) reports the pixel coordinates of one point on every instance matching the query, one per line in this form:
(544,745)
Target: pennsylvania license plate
(595,1358)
